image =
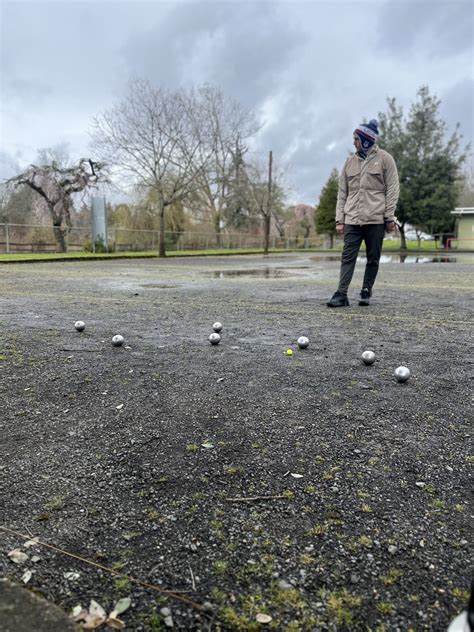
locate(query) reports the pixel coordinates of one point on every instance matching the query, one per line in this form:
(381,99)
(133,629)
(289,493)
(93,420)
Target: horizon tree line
(187,151)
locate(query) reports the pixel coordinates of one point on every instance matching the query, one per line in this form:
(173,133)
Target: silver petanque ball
(368,357)
(214,338)
(402,373)
(303,342)
(80,325)
(217,327)
(118,340)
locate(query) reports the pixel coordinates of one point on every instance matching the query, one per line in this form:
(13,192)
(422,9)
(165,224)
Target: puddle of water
(326,258)
(281,273)
(422,259)
(267,273)
(407,259)
(159,286)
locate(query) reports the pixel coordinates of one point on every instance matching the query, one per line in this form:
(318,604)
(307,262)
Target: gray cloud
(311,70)
(457,106)
(9,166)
(241,47)
(24,90)
(438,27)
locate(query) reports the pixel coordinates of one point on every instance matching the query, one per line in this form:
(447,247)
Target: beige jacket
(368,189)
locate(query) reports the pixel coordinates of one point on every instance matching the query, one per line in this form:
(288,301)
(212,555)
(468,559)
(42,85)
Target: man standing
(366,202)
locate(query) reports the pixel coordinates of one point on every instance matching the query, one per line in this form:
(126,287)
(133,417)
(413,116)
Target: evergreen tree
(239,213)
(428,164)
(466,189)
(325,214)
(16,206)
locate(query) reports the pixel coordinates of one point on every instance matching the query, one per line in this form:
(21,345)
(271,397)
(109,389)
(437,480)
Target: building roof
(463,211)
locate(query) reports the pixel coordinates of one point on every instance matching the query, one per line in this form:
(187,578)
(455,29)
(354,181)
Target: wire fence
(23,238)
(39,238)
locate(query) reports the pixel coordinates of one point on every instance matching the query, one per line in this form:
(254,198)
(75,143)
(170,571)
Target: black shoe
(365,297)
(338,299)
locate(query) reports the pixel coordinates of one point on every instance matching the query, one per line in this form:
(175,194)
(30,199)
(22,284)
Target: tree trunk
(162,245)
(59,234)
(331,240)
(403,241)
(266,243)
(218,230)
(55,210)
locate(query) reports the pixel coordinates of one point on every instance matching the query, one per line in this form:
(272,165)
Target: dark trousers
(372,235)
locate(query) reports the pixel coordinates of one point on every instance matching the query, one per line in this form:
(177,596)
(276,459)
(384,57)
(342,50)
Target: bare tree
(160,140)
(281,216)
(229,126)
(58,155)
(56,186)
(265,192)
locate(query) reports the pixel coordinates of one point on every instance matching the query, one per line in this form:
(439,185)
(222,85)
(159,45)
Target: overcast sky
(311,70)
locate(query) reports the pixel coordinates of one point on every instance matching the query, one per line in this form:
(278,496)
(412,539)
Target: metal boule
(402,373)
(303,342)
(214,338)
(118,340)
(217,327)
(80,325)
(368,357)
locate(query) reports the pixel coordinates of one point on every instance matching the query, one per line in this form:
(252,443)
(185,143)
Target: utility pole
(238,204)
(268,214)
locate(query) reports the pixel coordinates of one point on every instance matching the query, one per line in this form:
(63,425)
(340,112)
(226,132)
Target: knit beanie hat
(368,133)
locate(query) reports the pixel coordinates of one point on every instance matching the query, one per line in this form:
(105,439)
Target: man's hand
(340,229)
(390,227)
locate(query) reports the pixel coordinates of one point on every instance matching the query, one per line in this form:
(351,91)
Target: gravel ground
(172,462)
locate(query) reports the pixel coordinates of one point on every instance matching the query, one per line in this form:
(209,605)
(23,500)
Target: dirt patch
(171,461)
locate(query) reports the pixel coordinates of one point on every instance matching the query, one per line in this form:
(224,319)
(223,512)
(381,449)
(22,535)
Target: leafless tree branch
(56,185)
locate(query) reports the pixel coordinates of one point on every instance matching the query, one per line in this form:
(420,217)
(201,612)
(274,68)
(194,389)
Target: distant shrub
(99,246)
